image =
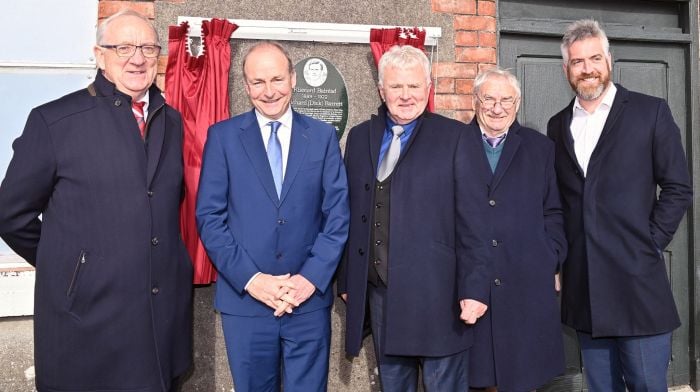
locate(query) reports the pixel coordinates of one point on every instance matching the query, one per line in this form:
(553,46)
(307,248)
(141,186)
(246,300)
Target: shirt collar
(146,99)
(407,128)
(606,103)
(286,119)
(484,135)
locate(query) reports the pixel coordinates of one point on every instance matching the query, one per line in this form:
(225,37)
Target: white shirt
(586,127)
(284,133)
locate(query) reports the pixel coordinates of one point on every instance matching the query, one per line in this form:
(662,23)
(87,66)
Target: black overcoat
(113,289)
(614,278)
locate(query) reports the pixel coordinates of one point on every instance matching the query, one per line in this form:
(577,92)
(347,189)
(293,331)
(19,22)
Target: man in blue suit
(415,252)
(613,148)
(272,211)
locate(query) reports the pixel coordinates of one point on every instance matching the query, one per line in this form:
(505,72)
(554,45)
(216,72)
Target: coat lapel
(512,143)
(298,146)
(255,150)
(567,138)
(376,133)
(476,149)
(609,129)
(155,140)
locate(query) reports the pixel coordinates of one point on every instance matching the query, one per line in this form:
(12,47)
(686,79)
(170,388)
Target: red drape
(381,40)
(198,88)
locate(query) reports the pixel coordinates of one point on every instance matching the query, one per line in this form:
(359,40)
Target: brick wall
(475,48)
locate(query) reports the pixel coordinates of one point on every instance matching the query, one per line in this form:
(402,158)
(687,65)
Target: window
(47,53)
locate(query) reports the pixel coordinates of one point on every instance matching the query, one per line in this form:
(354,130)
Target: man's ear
(99,57)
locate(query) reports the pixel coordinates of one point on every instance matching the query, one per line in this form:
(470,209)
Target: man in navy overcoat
(614,147)
(518,343)
(414,251)
(112,305)
(272,211)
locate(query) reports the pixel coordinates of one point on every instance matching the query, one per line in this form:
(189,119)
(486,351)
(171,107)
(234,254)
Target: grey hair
(290,65)
(482,77)
(582,29)
(403,57)
(102,28)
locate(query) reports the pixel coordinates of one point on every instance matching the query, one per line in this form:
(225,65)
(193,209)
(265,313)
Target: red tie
(137,108)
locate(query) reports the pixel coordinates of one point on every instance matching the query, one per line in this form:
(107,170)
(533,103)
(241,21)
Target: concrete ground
(210,372)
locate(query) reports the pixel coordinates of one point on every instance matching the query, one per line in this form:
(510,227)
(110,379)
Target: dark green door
(645,64)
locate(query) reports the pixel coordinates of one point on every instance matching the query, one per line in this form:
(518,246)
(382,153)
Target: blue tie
(274,155)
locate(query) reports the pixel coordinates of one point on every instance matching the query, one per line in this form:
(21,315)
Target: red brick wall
(475,48)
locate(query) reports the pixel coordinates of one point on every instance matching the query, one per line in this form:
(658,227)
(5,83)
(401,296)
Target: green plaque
(321,93)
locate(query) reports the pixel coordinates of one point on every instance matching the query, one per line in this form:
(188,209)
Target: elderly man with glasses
(518,343)
(103,168)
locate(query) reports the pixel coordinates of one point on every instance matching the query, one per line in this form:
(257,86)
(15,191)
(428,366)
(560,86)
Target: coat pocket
(82,259)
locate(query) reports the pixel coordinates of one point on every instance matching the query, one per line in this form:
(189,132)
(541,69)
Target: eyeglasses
(128,50)
(490,103)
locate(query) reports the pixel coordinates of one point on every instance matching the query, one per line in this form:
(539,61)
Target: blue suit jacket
(245,227)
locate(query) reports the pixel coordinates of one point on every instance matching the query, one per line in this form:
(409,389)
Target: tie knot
(274,126)
(397,130)
(495,141)
(138,105)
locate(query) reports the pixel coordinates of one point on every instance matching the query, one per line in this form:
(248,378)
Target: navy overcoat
(614,278)
(518,343)
(436,253)
(112,306)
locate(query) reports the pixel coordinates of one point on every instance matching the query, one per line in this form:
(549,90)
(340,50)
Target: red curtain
(381,40)
(198,88)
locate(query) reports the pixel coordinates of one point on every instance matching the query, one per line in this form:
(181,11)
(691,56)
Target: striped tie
(137,108)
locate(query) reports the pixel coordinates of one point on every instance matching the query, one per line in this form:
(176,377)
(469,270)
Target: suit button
(361,252)
(492,203)
(379,205)
(377,224)
(378,242)
(278,256)
(494,243)
(497,282)
(366,187)
(118,102)
(155,290)
(154,241)
(380,187)
(280,221)
(150,193)
(377,262)
(364,218)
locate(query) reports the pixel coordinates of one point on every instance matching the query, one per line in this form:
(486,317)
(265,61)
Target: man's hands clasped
(282,293)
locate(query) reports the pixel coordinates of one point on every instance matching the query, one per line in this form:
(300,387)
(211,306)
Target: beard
(587,92)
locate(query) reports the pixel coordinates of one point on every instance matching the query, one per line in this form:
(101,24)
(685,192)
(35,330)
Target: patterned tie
(392,154)
(274,155)
(494,141)
(137,108)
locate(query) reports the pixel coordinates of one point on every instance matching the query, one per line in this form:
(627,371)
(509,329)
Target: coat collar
(102,87)
(609,130)
(156,124)
(510,147)
(376,134)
